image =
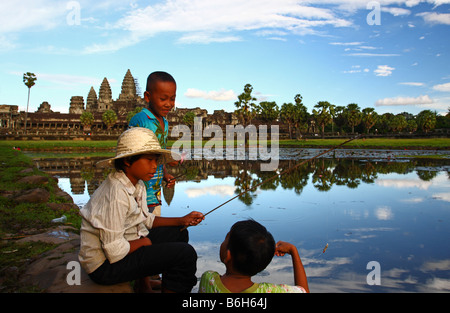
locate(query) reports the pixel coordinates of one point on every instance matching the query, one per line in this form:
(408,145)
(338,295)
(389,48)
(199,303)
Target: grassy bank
(371,143)
(21,219)
(59,144)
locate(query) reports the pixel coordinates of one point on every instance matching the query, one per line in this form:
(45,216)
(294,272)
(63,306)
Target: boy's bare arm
(192,219)
(136,244)
(281,249)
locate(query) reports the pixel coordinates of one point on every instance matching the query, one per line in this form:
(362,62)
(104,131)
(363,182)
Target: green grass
(16,218)
(59,144)
(431,143)
(22,219)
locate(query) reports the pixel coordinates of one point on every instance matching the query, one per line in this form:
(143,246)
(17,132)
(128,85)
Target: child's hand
(170,180)
(193,218)
(174,163)
(282,247)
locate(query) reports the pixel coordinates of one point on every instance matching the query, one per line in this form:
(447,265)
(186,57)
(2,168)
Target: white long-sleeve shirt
(116,213)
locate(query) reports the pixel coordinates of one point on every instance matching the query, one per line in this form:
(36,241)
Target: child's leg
(175,260)
(168,234)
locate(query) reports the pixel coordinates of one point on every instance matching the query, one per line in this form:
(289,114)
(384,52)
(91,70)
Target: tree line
(341,119)
(335,119)
(325,116)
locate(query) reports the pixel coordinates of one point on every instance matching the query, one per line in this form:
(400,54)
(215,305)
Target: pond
(370,206)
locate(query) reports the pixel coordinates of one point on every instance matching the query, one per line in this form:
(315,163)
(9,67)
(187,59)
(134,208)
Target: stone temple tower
(128,88)
(91,102)
(76,105)
(105,96)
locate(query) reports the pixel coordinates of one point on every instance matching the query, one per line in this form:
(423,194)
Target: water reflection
(371,209)
(325,173)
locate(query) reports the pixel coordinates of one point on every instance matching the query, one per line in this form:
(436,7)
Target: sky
(390,55)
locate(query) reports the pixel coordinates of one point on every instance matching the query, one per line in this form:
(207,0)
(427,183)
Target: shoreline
(364,143)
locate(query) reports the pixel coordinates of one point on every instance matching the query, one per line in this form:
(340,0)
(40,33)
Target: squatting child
(120,239)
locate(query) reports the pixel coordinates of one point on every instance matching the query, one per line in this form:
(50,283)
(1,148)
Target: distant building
(46,124)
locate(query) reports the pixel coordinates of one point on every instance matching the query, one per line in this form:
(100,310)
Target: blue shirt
(146,119)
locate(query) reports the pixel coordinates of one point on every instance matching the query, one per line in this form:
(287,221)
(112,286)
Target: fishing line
(278,174)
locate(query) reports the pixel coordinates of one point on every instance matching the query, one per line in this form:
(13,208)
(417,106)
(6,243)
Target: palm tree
(300,116)
(87,119)
(246,108)
(287,116)
(189,119)
(322,116)
(29,81)
(268,111)
(369,118)
(353,115)
(109,118)
(426,120)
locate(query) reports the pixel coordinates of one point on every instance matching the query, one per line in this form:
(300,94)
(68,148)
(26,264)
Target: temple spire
(128,87)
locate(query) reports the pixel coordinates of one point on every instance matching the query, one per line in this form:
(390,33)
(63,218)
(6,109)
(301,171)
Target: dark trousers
(169,254)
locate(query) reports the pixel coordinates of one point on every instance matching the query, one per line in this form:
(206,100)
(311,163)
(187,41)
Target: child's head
(160,93)
(134,144)
(250,246)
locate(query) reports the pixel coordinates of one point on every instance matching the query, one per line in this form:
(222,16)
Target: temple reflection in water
(325,173)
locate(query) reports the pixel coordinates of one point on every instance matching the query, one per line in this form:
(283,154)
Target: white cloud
(207,38)
(441,105)
(223,16)
(395,11)
(415,84)
(384,213)
(384,70)
(357,69)
(221,95)
(6,43)
(374,54)
(353,43)
(404,183)
(444,196)
(112,45)
(413,200)
(218,190)
(31,15)
(68,80)
(442,87)
(436,18)
(404,101)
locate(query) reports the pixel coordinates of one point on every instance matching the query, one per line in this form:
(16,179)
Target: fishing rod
(279,174)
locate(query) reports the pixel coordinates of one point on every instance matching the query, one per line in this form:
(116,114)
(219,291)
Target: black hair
(155,77)
(119,164)
(251,246)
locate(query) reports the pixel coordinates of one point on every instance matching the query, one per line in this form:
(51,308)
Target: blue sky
(391,55)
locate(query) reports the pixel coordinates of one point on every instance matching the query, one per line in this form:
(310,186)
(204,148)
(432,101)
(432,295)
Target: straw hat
(139,140)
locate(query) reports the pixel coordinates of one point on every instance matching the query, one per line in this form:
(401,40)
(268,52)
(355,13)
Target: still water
(395,211)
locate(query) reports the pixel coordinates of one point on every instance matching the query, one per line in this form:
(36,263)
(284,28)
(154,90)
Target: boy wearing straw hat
(120,239)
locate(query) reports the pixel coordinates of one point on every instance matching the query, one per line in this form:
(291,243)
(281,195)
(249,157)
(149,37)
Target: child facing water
(247,250)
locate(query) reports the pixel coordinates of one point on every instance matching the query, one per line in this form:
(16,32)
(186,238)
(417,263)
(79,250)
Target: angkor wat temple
(46,124)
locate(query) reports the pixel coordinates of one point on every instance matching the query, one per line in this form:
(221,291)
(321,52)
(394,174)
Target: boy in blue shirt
(160,95)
